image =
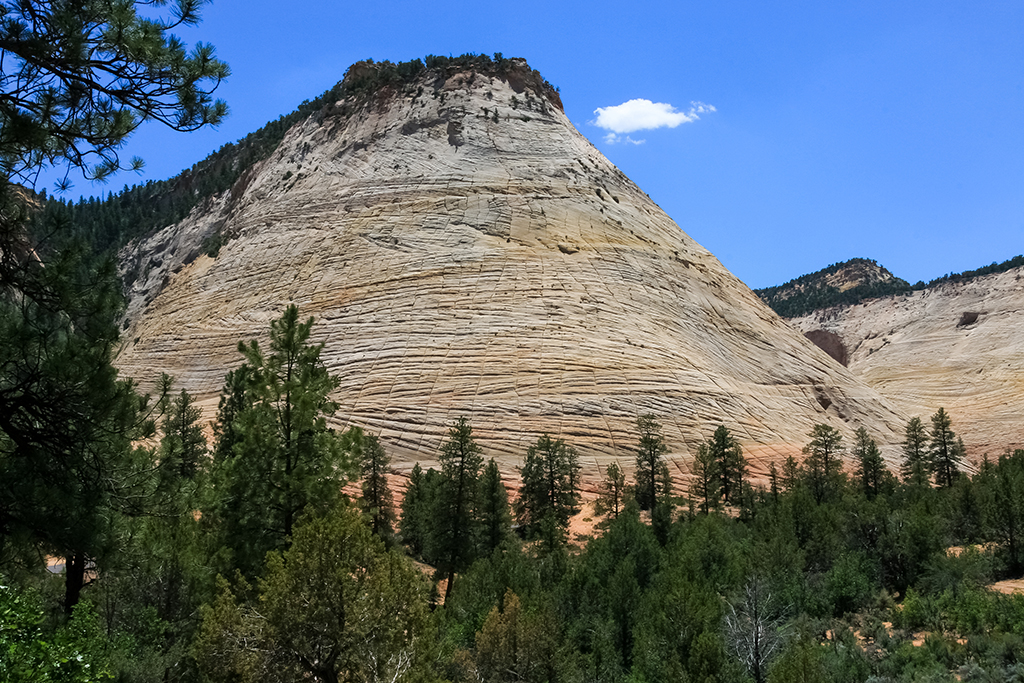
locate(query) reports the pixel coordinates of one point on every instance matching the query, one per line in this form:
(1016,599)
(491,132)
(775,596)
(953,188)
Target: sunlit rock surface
(467,252)
(958,345)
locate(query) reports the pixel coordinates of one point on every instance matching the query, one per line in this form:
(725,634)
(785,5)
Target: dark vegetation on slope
(813,292)
(107,224)
(242,559)
(990,269)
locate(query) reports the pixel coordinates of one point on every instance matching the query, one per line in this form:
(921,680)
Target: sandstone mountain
(956,344)
(467,252)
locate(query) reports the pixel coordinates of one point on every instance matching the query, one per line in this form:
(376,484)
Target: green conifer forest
(241,559)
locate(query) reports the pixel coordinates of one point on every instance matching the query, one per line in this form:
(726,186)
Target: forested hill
(843,283)
(106,224)
(850,282)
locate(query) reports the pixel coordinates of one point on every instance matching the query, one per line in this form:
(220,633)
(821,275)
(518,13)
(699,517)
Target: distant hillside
(990,269)
(843,283)
(854,281)
(109,223)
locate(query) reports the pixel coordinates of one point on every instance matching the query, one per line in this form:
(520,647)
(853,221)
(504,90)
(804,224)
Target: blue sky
(887,130)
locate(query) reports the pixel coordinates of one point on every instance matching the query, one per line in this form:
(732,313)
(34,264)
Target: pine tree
(823,465)
(871,471)
(612,493)
(574,480)
(650,450)
(183,447)
(80,77)
(945,450)
(916,467)
(68,467)
(791,474)
(374,462)
(705,480)
(773,482)
(1004,484)
(730,464)
(412,525)
(286,459)
(456,512)
(234,398)
(158,574)
(548,495)
(422,507)
(661,513)
(495,516)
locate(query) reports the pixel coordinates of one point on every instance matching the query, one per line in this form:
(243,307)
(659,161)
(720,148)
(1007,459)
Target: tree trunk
(448,588)
(74,580)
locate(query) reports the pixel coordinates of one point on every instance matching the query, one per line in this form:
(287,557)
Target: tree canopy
(336,606)
(824,464)
(284,459)
(650,453)
(456,509)
(79,77)
(916,466)
(945,450)
(548,494)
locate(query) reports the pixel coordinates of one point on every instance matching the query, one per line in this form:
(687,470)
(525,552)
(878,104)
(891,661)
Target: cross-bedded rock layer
(467,252)
(957,345)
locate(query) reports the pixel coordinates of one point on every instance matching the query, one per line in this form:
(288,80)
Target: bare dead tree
(753,628)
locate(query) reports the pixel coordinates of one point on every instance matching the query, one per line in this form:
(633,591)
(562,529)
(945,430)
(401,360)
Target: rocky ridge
(467,252)
(843,277)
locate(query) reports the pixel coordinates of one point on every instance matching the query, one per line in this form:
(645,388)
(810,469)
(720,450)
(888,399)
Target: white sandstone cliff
(958,345)
(467,252)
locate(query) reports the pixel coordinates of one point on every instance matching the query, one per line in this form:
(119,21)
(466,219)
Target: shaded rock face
(968,318)
(958,346)
(829,342)
(467,252)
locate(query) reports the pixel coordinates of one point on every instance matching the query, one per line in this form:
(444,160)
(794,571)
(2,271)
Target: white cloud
(613,138)
(641,114)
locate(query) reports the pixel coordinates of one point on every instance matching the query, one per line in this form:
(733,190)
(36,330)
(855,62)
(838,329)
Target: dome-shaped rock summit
(467,252)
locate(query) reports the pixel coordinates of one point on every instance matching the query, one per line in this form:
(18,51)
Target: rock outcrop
(840,284)
(467,252)
(957,345)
